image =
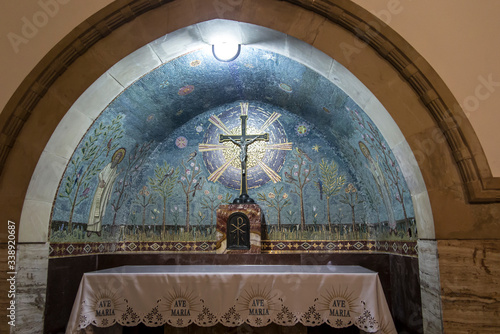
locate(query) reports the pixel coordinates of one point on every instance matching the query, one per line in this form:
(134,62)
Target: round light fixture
(226,51)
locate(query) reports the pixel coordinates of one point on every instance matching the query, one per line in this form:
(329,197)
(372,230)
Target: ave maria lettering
(180,308)
(258,307)
(338,308)
(104,308)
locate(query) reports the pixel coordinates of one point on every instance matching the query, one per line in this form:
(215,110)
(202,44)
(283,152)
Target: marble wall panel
(430,286)
(470,285)
(31,281)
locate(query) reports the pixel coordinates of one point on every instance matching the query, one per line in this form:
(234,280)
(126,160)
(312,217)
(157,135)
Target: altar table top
(232,295)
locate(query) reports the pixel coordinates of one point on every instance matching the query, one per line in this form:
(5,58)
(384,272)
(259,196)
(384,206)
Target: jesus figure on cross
(243,141)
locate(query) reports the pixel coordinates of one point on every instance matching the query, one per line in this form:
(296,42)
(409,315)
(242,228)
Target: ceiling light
(226,51)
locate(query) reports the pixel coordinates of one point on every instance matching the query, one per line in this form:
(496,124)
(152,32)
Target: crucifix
(243,141)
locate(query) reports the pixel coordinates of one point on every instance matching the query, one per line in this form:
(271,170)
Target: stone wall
(470,285)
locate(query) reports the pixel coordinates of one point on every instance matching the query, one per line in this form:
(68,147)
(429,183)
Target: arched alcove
(138,69)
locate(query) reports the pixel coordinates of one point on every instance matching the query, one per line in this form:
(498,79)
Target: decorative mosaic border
(405,248)
(93,248)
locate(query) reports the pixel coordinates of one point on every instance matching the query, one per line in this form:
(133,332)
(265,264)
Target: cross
(238,229)
(243,141)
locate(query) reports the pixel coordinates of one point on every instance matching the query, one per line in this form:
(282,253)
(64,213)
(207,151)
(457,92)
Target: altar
(257,295)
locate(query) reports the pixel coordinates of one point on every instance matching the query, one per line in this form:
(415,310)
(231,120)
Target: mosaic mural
(151,171)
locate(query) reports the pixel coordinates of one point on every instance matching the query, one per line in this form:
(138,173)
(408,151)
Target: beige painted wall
(456,37)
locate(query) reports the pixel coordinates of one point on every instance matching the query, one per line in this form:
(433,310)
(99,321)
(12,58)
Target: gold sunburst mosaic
(255,151)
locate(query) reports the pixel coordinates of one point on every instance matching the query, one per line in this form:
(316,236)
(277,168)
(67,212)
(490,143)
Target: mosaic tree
(211,201)
(384,159)
(351,198)
(299,174)
(135,160)
(83,168)
(163,184)
(276,200)
(330,184)
(144,199)
(191,182)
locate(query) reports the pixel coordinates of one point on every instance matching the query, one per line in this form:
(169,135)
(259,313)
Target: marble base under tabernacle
(254,215)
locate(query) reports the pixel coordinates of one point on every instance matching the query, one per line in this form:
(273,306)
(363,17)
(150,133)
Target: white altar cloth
(231,295)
